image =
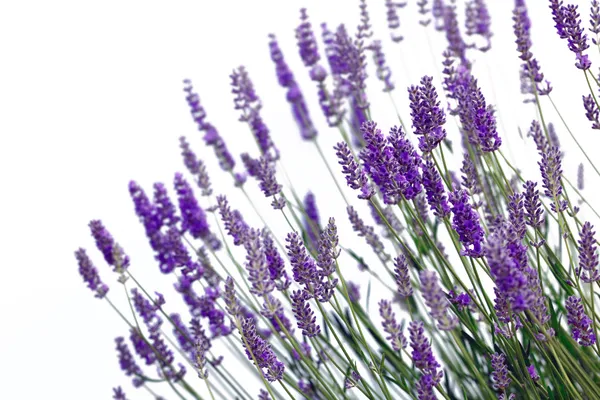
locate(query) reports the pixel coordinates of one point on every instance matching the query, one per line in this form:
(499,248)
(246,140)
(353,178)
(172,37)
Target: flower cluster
(480,291)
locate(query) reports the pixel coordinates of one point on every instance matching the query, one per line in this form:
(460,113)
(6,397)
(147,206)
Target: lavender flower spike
(195,166)
(119,394)
(193,217)
(312,224)
(427,115)
(393,20)
(258,273)
(477,22)
(569,27)
(581,325)
(303,266)
(367,232)
(233,222)
(307,44)
(422,354)
(466,223)
(391,327)
(588,255)
(249,105)
(383,73)
(533,206)
(551,170)
(530,68)
(434,188)
(90,274)
(402,277)
(592,113)
(436,301)
(294,94)
(127,362)
(500,372)
(268,182)
(113,253)
(304,315)
(355,175)
(259,351)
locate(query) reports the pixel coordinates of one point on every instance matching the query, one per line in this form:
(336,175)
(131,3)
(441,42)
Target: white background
(91,97)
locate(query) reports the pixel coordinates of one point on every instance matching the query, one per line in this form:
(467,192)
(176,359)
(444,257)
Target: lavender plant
(484,277)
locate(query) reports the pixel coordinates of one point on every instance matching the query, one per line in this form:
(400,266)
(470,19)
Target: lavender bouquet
(477,275)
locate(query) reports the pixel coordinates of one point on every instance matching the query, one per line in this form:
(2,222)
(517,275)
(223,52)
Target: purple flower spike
(477,22)
(259,351)
(294,94)
(551,169)
(393,20)
(456,43)
(352,65)
(189,157)
(146,212)
(231,303)
(195,166)
(423,10)
(532,373)
(303,266)
(511,282)
(113,253)
(233,222)
(425,387)
(90,274)
(436,301)
(476,116)
(355,174)
(211,136)
(263,395)
(165,210)
(328,251)
(588,255)
(146,310)
(367,232)
(533,206)
(193,217)
(409,162)
(312,223)
(249,105)
(384,73)
(119,394)
(591,111)
(402,277)
(381,163)
(127,362)
(530,68)
(391,327)
(268,182)
(365,30)
(466,223)
(581,325)
(422,354)
(516,214)
(307,43)
(427,115)
(304,315)
(193,100)
(258,273)
(568,26)
(595,19)
(434,188)
(500,372)
(541,142)
(285,76)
